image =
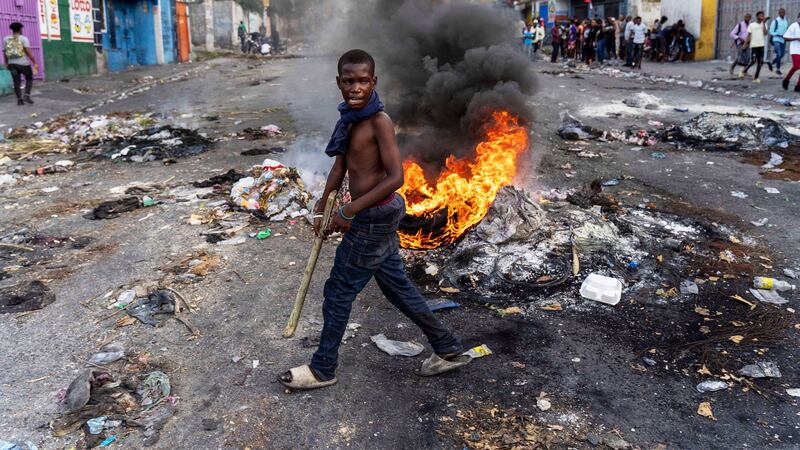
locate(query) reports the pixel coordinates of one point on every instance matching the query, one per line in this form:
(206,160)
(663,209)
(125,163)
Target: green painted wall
(6,85)
(65,58)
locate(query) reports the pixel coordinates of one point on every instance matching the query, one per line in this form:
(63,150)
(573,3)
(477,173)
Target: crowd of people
(626,41)
(750,39)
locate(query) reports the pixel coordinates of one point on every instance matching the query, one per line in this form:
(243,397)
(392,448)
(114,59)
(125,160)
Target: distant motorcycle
(257,44)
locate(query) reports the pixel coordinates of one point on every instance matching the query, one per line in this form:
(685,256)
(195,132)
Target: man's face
(747,17)
(782,13)
(760,17)
(356,83)
(637,21)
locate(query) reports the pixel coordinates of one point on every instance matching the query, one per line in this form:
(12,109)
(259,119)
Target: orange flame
(465,189)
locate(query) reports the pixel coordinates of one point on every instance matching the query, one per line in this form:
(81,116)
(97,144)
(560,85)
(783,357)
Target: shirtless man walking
(364,146)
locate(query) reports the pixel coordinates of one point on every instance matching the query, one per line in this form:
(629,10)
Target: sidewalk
(56,97)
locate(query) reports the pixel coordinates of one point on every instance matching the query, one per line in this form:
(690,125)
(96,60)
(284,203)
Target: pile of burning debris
(540,255)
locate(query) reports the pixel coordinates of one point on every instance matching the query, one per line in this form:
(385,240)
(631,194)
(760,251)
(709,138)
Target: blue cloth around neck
(349,116)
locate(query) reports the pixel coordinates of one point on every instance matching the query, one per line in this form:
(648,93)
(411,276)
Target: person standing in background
(555,40)
(621,39)
(777,28)
(638,33)
(611,39)
(538,39)
(739,35)
(756,39)
(19,59)
(527,40)
(792,36)
(241,31)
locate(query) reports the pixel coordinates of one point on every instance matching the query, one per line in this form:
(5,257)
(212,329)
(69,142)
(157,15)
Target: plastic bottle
(123,299)
(772,284)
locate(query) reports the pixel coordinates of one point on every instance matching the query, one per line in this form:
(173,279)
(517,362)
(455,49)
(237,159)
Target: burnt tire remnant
(24,297)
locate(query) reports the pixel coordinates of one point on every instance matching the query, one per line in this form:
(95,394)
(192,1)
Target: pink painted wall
(27,13)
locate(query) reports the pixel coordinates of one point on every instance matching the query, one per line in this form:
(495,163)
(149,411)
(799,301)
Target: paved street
(587,357)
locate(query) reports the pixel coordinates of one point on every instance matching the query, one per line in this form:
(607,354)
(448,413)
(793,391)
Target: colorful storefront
(67,34)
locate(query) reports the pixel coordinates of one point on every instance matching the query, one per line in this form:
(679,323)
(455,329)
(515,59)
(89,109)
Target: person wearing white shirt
(635,34)
(792,36)
(538,39)
(757,38)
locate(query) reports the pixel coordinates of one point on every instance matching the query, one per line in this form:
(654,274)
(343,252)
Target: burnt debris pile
(163,142)
(729,132)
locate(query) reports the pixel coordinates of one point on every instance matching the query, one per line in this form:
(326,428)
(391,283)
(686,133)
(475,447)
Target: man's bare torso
(363,158)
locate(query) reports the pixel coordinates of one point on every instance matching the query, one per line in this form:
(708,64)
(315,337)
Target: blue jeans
(780,48)
(371,249)
(601,50)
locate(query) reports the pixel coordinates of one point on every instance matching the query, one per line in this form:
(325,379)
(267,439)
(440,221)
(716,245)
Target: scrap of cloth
(347,117)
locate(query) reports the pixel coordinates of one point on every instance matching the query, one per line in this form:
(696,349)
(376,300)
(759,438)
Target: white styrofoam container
(602,289)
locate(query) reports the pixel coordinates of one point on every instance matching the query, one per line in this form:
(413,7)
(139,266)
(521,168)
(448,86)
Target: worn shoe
(741,75)
(778,72)
(785,85)
(797,88)
(28,99)
(769,66)
(757,81)
(20,102)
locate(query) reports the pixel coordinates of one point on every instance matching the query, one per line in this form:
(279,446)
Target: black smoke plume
(442,68)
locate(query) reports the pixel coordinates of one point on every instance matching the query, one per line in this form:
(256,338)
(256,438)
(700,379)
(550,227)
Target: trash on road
(602,289)
(397,348)
(274,189)
(711,386)
(478,352)
(108,354)
(768,296)
(772,283)
(154,388)
(775,160)
(113,208)
(153,309)
(441,303)
(738,194)
(689,287)
(761,369)
(572,129)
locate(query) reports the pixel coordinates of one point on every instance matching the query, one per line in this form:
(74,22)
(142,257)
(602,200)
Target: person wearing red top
(555,36)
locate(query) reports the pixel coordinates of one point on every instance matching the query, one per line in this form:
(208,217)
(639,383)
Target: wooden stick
(16,247)
(291,326)
(576,264)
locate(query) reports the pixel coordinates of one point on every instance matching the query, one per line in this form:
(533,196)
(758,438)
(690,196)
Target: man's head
(747,17)
(782,13)
(356,77)
(663,19)
(760,16)
(637,20)
(16,27)
(628,19)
